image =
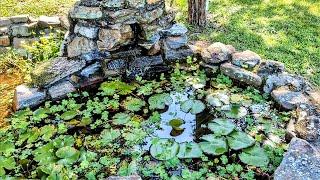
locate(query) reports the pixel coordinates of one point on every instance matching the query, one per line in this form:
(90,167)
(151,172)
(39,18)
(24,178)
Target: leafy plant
(254,156)
(239,140)
(164,149)
(160,101)
(213,145)
(6,163)
(221,126)
(189,150)
(116,87)
(121,118)
(133,104)
(192,106)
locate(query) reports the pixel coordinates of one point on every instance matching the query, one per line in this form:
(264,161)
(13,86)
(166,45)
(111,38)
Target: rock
(79,46)
(4,41)
(90,3)
(49,72)
(21,42)
(239,74)
(4,31)
(133,177)
(210,68)
(114,67)
(46,21)
(111,39)
(23,30)
(150,16)
(314,96)
(302,161)
(152,1)
(246,59)
(288,99)
(83,12)
(122,16)
(61,90)
(259,108)
(4,21)
(94,56)
(175,30)
(64,21)
(217,53)
(135,3)
(89,32)
(113,3)
(26,97)
(171,55)
(296,83)
(90,70)
(176,42)
(270,67)
(139,65)
(20,18)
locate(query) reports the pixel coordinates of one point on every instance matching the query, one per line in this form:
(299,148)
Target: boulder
(175,30)
(87,13)
(46,21)
(217,53)
(79,46)
(26,97)
(4,41)
(89,32)
(20,18)
(90,3)
(288,99)
(61,90)
(240,74)
(122,16)
(176,42)
(111,39)
(270,67)
(246,59)
(296,83)
(4,21)
(301,161)
(150,16)
(23,30)
(171,55)
(135,3)
(49,72)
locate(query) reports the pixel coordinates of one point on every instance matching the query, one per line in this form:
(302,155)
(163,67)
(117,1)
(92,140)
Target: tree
(197,12)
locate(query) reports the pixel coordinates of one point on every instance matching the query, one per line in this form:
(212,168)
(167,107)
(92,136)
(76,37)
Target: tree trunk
(197,12)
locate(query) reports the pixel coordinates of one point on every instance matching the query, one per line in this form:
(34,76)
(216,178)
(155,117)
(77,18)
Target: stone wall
(17,31)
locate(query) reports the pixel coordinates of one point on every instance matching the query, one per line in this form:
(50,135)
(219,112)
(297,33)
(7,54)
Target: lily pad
(68,115)
(221,126)
(160,101)
(117,87)
(254,156)
(109,135)
(239,140)
(44,155)
(41,113)
(213,145)
(176,123)
(121,118)
(189,150)
(68,155)
(6,163)
(192,106)
(236,112)
(164,149)
(133,104)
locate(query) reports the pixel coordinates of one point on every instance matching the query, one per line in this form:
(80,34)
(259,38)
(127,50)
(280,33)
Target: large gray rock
(20,18)
(4,21)
(80,45)
(21,42)
(49,72)
(301,162)
(270,67)
(61,90)
(296,83)
(83,12)
(140,65)
(4,31)
(150,16)
(111,39)
(175,30)
(113,3)
(89,32)
(176,42)
(23,30)
(288,99)
(26,97)
(246,59)
(114,67)
(46,21)
(90,70)
(171,55)
(4,41)
(217,53)
(122,16)
(240,74)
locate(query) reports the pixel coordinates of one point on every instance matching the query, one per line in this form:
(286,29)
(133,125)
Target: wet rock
(270,67)
(83,12)
(61,90)
(259,108)
(133,177)
(171,55)
(90,70)
(23,30)
(115,67)
(296,83)
(21,42)
(139,65)
(240,74)
(217,53)
(4,41)
(25,97)
(90,3)
(110,39)
(302,161)
(20,18)
(246,59)
(46,21)
(288,99)
(113,3)
(49,72)
(176,42)
(4,21)
(150,16)
(80,45)
(175,30)
(4,31)
(89,32)
(94,56)
(135,3)
(122,16)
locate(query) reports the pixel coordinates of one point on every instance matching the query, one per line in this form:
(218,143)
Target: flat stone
(61,90)
(4,21)
(26,97)
(122,16)
(23,30)
(270,67)
(111,39)
(301,162)
(64,21)
(114,68)
(90,3)
(175,30)
(49,72)
(79,46)
(210,68)
(135,3)
(95,56)
(217,53)
(83,12)
(139,65)
(21,42)
(150,16)
(176,42)
(171,55)
(4,41)
(20,18)
(113,3)
(4,31)
(152,1)
(288,99)
(89,32)
(296,83)
(90,70)
(246,59)
(240,74)
(133,177)
(46,21)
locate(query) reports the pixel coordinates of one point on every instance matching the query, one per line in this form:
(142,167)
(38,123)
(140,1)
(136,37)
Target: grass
(34,7)
(282,30)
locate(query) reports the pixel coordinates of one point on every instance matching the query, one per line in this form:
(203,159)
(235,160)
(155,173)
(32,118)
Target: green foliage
(121,118)
(213,145)
(6,163)
(160,101)
(221,126)
(116,87)
(189,150)
(239,140)
(11,61)
(192,106)
(164,149)
(254,156)
(133,104)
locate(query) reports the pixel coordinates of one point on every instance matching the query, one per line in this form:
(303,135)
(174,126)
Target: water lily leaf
(236,112)
(44,155)
(63,141)
(86,121)
(176,123)
(41,113)
(121,118)
(189,150)
(116,87)
(213,145)
(47,132)
(192,106)
(160,101)
(6,163)
(254,156)
(68,155)
(109,135)
(133,104)
(213,101)
(68,115)
(6,147)
(239,140)
(164,149)
(221,126)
